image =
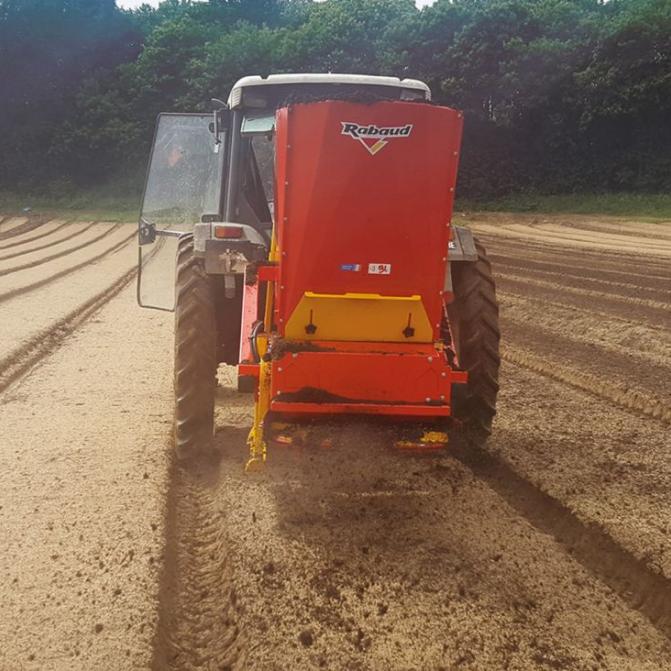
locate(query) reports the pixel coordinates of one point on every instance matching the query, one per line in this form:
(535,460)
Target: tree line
(558,95)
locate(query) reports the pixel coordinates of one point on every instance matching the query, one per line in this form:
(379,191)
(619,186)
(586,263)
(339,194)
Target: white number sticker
(379,268)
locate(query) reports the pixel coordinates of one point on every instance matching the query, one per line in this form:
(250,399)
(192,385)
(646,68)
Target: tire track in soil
(583,282)
(78,231)
(608,465)
(18,243)
(593,244)
(642,588)
(601,302)
(606,390)
(68,271)
(577,308)
(608,227)
(643,281)
(85,483)
(587,293)
(640,243)
(523,248)
(301,567)
(621,369)
(70,250)
(9,224)
(625,338)
(31,224)
(637,583)
(198,609)
(20,361)
(649,242)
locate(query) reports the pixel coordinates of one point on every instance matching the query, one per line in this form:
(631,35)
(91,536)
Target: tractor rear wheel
(195,354)
(474,328)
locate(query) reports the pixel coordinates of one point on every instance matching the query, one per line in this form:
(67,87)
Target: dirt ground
(551,549)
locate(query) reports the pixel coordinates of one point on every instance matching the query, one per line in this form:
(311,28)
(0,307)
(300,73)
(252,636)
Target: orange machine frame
(355,281)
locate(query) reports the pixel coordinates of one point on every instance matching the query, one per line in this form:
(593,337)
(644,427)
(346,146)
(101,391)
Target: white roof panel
(235,96)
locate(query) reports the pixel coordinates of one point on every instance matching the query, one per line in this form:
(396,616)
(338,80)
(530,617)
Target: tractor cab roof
(269,92)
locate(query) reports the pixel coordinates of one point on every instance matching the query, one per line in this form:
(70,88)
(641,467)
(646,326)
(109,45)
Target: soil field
(550,549)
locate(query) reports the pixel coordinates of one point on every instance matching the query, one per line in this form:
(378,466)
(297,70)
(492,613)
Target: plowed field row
(550,550)
(82,450)
(356,558)
(589,377)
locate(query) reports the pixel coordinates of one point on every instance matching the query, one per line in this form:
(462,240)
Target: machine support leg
(256,441)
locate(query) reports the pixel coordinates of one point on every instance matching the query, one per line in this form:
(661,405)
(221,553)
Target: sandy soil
(551,550)
(577,231)
(36,310)
(46,230)
(582,378)
(359,558)
(19,275)
(83,479)
(83,459)
(53,245)
(9,224)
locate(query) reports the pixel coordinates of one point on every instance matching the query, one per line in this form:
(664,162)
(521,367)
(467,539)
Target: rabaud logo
(373,137)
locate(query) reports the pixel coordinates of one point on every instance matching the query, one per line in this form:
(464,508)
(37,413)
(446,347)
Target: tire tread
(476,308)
(195,355)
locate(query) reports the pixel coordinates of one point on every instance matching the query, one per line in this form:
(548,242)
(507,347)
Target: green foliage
(558,95)
(47,49)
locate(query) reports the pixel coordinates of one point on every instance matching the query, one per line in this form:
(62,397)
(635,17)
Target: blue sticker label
(351,267)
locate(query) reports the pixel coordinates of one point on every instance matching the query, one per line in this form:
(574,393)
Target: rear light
(228,232)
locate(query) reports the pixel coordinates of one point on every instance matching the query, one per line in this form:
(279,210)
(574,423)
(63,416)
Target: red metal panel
(248,369)
(429,349)
(360,409)
(351,378)
(250,312)
(268,273)
(343,204)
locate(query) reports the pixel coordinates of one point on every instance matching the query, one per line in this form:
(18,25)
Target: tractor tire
(474,324)
(195,378)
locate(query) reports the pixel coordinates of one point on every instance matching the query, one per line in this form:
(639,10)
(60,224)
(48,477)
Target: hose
(252,341)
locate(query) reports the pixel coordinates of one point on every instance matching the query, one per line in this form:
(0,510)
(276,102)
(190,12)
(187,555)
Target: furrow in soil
(613,306)
(83,480)
(49,240)
(53,226)
(634,400)
(57,251)
(23,282)
(18,362)
(624,370)
(28,315)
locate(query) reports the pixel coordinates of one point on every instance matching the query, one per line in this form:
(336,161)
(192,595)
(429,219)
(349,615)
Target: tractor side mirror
(220,124)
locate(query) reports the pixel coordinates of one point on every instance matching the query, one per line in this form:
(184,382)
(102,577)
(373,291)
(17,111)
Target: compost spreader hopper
(310,219)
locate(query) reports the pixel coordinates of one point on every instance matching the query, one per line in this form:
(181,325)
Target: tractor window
(263,147)
(185,173)
(255,206)
(184,182)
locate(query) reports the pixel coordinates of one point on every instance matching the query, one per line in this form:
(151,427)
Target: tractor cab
(220,167)
(302,232)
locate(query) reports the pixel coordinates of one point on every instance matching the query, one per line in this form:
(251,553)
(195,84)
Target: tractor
(302,231)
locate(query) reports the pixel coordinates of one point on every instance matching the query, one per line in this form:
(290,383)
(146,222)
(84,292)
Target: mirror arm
(217,139)
(147,232)
(218,106)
